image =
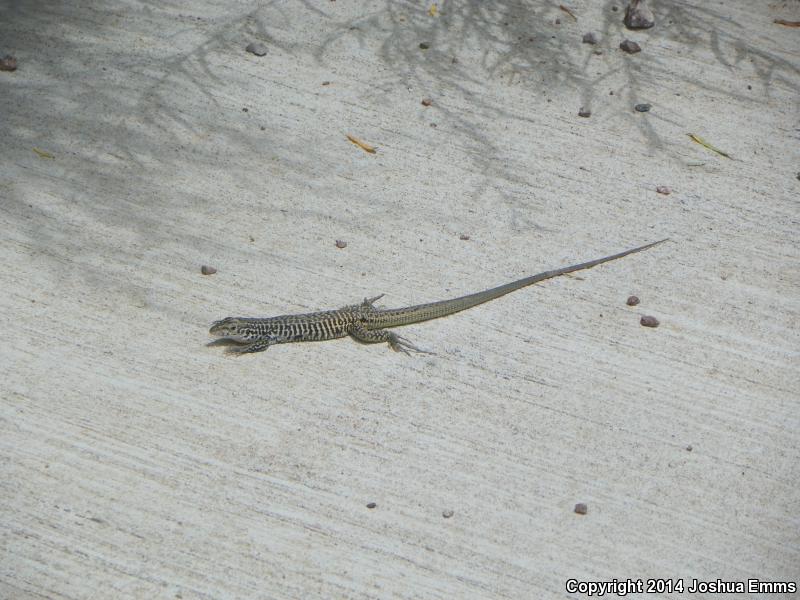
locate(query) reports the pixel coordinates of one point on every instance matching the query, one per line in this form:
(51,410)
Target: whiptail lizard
(366,323)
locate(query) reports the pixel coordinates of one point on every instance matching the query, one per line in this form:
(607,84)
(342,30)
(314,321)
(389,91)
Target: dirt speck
(256,48)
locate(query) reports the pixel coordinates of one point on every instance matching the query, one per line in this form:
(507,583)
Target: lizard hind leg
(376,336)
(369,302)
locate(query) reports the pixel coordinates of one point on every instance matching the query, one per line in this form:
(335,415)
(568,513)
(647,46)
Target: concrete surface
(139,463)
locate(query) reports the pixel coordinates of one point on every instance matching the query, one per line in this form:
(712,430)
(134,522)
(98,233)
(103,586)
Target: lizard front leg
(258,346)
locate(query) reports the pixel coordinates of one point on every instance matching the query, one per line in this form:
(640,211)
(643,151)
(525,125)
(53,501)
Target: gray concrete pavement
(140,141)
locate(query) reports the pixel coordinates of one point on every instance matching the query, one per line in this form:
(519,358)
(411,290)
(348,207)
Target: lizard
(366,323)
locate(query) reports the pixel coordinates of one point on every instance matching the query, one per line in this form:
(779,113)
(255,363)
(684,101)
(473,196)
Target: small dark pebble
(245,109)
(638,16)
(326,83)
(558,21)
(463,236)
(256,48)
(424,46)
(614,8)
(632,300)
(427,102)
(589,38)
(341,244)
(585,113)
(749,87)
(371,505)
(8,63)
(206,270)
(663,189)
(447,513)
(263,128)
(581,508)
(642,108)
(648,321)
(689,448)
(630,47)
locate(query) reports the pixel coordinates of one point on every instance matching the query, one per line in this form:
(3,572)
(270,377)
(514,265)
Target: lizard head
(233,328)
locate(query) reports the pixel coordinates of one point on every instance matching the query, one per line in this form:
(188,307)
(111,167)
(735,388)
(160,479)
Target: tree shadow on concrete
(145,122)
(536,46)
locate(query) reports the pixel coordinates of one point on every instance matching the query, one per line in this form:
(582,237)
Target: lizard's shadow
(227,342)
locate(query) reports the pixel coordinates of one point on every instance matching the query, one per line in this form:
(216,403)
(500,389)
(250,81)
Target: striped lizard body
(366,323)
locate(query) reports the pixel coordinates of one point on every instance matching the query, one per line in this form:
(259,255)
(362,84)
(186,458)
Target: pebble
(585,113)
(638,16)
(371,505)
(424,46)
(581,508)
(8,63)
(630,47)
(632,300)
(642,107)
(206,270)
(463,237)
(256,48)
(663,189)
(427,102)
(589,38)
(447,513)
(341,244)
(648,321)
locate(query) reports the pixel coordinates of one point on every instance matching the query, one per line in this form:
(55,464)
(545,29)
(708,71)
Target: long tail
(434,310)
